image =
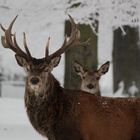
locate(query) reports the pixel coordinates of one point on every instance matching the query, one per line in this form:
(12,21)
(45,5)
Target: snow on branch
(116,12)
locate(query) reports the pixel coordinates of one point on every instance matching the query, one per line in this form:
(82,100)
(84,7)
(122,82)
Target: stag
(90,79)
(62,114)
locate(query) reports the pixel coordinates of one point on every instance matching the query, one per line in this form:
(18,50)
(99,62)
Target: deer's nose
(90,86)
(34,80)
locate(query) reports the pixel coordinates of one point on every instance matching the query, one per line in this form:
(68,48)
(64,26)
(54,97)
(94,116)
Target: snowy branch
(116,12)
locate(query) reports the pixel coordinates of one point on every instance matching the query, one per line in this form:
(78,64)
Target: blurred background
(113,29)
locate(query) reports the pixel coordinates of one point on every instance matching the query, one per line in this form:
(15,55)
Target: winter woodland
(41,19)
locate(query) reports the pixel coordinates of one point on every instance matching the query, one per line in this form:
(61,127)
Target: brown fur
(62,114)
(90,79)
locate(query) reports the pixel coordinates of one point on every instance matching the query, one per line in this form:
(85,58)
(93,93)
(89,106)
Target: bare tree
(126,56)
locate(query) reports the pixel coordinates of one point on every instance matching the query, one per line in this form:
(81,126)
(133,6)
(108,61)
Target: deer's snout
(34,80)
(90,86)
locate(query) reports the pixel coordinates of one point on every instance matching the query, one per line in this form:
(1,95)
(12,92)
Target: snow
(119,92)
(14,124)
(132,90)
(105,42)
(116,12)
(12,90)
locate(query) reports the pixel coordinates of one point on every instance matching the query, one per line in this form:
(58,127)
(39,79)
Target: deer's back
(108,118)
(77,115)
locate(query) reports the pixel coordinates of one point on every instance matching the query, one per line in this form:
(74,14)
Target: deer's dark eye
(83,77)
(97,78)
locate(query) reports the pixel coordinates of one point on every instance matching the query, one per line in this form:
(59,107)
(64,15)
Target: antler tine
(3,42)
(8,37)
(14,43)
(25,45)
(74,26)
(9,40)
(2,28)
(47,48)
(19,50)
(74,37)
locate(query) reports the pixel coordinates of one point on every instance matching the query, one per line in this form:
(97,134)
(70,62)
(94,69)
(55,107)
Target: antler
(72,40)
(9,41)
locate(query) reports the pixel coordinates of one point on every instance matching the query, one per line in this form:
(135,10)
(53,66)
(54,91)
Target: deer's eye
(83,77)
(97,78)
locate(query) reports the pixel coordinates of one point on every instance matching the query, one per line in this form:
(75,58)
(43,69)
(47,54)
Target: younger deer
(90,79)
(62,114)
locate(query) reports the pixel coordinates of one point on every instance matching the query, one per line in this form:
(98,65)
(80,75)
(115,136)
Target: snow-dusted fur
(62,114)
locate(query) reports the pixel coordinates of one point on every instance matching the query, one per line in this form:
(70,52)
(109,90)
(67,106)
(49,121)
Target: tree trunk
(87,56)
(126,56)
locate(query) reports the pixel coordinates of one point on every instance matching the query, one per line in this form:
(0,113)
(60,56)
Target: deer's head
(90,79)
(38,70)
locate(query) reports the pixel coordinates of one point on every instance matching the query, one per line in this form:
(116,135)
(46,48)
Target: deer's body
(62,114)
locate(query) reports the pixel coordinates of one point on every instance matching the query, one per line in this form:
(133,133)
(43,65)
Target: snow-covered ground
(13,90)
(14,124)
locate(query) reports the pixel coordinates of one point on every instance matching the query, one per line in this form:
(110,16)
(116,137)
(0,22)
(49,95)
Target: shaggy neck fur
(48,108)
(39,108)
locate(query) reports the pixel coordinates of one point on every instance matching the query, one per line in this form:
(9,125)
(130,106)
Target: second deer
(90,79)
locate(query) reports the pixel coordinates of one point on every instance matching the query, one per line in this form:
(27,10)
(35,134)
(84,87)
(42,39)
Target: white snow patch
(14,124)
(132,90)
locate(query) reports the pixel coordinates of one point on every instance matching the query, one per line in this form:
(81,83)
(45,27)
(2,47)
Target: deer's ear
(22,61)
(55,61)
(78,68)
(104,68)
